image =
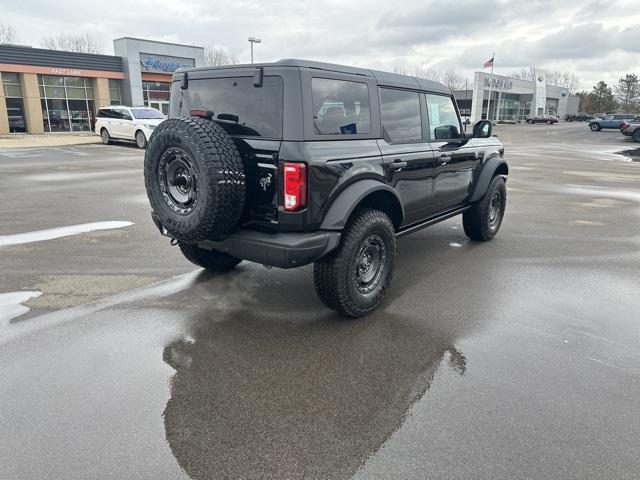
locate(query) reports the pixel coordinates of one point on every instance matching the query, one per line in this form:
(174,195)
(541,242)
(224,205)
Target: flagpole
(493,61)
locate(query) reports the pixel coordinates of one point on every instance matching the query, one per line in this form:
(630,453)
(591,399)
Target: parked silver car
(631,129)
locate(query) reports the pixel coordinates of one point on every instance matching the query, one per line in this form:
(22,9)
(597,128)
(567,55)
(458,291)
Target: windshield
(146,113)
(240,107)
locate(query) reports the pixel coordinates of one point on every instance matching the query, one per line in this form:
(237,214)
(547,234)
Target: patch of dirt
(62,291)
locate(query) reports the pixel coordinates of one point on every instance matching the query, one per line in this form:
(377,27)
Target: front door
(406,153)
(455,157)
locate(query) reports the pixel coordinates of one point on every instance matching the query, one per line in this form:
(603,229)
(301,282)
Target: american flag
(488,63)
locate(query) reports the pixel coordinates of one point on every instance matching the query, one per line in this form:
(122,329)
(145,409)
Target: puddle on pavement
(633,154)
(256,397)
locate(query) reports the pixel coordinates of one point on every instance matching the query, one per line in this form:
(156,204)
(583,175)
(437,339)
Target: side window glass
(443,119)
(401,115)
(117,114)
(340,107)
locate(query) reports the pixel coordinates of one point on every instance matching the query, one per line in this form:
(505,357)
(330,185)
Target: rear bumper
(284,250)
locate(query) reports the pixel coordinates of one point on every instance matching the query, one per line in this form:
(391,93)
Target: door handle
(444,158)
(398,164)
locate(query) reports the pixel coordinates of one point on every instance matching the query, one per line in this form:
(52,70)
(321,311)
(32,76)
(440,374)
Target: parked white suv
(118,122)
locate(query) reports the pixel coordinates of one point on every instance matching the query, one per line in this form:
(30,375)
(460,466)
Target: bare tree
(428,74)
(219,56)
(8,34)
(82,43)
(453,80)
(570,81)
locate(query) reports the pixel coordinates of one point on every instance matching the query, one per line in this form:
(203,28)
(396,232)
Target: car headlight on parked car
(150,126)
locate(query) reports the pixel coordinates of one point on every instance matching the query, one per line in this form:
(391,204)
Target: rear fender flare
(343,206)
(489,169)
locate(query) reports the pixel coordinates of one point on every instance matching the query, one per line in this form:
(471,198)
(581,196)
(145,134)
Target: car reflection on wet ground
(512,359)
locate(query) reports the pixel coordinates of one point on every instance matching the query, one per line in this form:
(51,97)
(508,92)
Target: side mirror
(482,129)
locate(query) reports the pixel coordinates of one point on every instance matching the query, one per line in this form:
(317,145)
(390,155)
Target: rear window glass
(401,118)
(340,107)
(238,106)
(146,113)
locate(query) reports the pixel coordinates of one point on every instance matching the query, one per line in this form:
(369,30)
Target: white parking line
(52,233)
(11,304)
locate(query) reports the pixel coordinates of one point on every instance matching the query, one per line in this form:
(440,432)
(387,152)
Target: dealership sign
(498,84)
(163,63)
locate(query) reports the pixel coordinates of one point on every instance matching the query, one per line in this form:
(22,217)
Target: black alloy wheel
(178,181)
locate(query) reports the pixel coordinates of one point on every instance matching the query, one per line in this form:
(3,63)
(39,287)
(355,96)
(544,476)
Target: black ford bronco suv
(295,162)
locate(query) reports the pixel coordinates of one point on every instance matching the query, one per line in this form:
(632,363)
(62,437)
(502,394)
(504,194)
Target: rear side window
(238,106)
(400,111)
(104,113)
(340,107)
(443,119)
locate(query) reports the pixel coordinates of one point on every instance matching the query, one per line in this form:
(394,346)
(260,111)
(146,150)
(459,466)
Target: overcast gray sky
(596,39)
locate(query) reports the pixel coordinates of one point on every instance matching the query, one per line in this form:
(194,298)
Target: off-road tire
(595,127)
(141,139)
(218,179)
(212,260)
(636,135)
(335,276)
(477,221)
(104,136)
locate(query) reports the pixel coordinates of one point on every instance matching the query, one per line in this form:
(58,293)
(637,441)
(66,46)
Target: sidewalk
(46,140)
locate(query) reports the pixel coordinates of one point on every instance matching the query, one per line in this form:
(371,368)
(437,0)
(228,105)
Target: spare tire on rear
(195,179)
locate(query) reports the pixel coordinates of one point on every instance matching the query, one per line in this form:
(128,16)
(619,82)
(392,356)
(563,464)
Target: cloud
(378,34)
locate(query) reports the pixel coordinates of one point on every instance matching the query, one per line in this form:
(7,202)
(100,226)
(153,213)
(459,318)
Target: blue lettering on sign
(152,63)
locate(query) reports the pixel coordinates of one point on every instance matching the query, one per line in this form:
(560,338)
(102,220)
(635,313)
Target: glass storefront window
(14,102)
(114,92)
(156,95)
(67,103)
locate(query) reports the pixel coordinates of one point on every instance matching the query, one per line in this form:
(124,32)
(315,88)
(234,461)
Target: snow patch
(11,304)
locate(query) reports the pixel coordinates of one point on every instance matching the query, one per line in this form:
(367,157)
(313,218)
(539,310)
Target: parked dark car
(296,162)
(548,119)
(579,117)
(610,121)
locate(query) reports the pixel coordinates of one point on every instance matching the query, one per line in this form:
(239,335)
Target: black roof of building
(22,55)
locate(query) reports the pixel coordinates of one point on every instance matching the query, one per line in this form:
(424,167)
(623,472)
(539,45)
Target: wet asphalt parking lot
(516,358)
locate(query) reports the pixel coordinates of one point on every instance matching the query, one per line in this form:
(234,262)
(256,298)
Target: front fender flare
(486,175)
(343,206)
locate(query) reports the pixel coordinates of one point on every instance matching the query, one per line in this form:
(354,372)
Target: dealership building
(47,91)
(513,99)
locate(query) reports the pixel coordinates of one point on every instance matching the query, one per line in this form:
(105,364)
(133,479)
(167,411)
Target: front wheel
(483,220)
(548,122)
(141,139)
(636,136)
(353,279)
(595,127)
(212,260)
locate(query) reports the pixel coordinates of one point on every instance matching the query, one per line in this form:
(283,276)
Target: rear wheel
(212,260)
(548,122)
(595,127)
(353,279)
(104,136)
(483,221)
(141,139)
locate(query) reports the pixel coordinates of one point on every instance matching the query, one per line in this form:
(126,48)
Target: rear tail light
(294,181)
(201,113)
(624,125)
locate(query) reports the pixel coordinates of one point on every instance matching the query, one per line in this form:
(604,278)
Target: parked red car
(548,119)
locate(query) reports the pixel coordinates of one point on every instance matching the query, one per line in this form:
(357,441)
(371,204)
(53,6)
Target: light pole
(253,40)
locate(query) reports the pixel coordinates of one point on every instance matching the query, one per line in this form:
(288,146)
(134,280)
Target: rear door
(407,156)
(455,156)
